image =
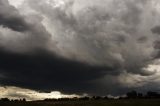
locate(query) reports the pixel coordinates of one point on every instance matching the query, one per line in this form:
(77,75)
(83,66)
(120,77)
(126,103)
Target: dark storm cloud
(10,17)
(78,46)
(103,35)
(117,36)
(45,71)
(20,33)
(41,70)
(14,23)
(156,30)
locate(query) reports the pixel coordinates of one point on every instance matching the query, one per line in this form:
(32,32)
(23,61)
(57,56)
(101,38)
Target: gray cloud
(18,33)
(10,17)
(103,35)
(91,42)
(156,30)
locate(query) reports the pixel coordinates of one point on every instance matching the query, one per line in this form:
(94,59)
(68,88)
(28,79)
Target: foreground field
(140,102)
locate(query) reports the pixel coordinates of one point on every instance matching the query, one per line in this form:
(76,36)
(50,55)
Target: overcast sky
(69,47)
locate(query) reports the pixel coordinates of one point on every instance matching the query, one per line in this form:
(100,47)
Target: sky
(66,48)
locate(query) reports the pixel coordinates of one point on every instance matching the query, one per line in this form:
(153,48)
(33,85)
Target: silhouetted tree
(151,94)
(5,99)
(16,100)
(84,98)
(132,94)
(24,100)
(140,95)
(96,97)
(106,97)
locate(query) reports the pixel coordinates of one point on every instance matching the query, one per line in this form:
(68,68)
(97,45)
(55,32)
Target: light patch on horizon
(30,95)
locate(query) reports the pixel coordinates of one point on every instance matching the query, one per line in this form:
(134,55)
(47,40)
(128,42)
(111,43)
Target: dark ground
(125,102)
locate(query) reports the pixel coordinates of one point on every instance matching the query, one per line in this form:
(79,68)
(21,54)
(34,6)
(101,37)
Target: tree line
(129,95)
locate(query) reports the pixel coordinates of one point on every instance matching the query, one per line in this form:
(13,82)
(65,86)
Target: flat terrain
(139,102)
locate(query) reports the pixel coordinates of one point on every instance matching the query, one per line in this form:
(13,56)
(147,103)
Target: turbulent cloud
(18,33)
(10,17)
(102,34)
(89,42)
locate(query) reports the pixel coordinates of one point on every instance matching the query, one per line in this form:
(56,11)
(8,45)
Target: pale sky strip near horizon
(30,95)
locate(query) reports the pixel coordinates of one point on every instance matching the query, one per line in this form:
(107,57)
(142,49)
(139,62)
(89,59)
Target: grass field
(139,102)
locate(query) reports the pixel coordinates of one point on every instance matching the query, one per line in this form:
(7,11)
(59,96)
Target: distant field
(140,102)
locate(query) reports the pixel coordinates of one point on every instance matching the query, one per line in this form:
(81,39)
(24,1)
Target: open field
(127,102)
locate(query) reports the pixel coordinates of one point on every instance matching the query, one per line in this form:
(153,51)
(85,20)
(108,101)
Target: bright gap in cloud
(55,3)
(154,68)
(16,3)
